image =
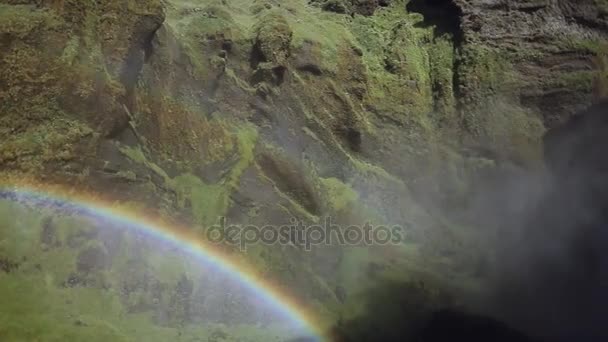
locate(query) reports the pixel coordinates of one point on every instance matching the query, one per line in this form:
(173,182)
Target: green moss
(582,81)
(339,195)
(594,46)
(31,86)
(482,69)
(71,50)
(138,156)
(21,20)
(407,56)
(214,21)
(441,55)
(397,55)
(329,35)
(483,73)
(206,202)
(585,81)
(273,36)
(247,137)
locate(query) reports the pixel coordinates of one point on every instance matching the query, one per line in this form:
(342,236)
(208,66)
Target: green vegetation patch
(46,293)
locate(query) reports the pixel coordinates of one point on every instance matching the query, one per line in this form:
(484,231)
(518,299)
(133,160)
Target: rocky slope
(393,112)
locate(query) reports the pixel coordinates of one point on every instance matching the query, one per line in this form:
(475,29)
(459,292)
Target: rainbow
(183,238)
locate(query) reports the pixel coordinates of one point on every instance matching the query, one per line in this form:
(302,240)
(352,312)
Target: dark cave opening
(446,18)
(444,15)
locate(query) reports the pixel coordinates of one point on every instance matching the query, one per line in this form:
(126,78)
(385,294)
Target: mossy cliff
(392,112)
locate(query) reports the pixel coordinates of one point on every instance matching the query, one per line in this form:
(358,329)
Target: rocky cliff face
(539,36)
(385,111)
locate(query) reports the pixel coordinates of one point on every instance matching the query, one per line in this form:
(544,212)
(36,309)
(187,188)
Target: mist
(544,240)
(551,277)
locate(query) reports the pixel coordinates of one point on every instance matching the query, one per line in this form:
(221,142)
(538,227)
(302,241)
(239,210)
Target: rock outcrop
(532,37)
